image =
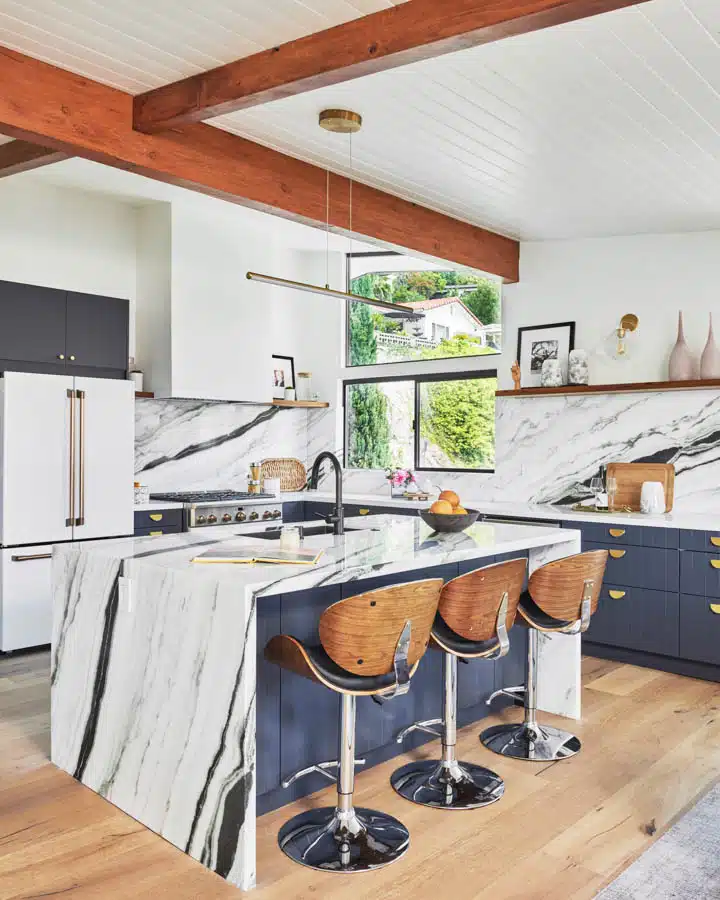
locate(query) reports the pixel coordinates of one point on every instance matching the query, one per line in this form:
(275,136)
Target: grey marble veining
(183,445)
(548,448)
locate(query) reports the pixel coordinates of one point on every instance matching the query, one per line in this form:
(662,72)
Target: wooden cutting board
(630,478)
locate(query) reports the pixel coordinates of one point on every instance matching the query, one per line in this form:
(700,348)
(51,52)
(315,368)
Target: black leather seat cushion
(460,645)
(538,617)
(341,678)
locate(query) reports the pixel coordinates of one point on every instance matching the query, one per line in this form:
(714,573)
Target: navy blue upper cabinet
(32,328)
(59,332)
(96,335)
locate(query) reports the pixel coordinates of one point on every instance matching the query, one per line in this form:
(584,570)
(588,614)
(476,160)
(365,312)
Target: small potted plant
(399,480)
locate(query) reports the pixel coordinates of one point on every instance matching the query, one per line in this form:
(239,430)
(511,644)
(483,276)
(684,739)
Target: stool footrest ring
(425,726)
(320,768)
(514,693)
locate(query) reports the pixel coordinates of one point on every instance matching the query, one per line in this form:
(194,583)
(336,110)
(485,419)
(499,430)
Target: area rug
(683,865)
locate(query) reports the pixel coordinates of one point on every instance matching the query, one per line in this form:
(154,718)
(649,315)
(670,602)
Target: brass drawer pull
(618,554)
(156,517)
(617,595)
(715,541)
(364,512)
(155,533)
(715,563)
(715,607)
(616,532)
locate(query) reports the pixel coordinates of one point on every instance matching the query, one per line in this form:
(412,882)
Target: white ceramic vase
(551,374)
(682,365)
(710,359)
(578,370)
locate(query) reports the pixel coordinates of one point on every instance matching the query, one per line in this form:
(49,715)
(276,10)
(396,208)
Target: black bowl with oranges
(447,515)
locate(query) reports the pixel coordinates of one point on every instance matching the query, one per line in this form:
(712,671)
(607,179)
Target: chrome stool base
(454,785)
(536,743)
(332,840)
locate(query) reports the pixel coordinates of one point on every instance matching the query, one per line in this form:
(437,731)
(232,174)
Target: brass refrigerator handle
(31,556)
(81,454)
(69,522)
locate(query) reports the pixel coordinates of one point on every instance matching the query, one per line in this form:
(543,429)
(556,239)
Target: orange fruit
(451,497)
(460,511)
(442,507)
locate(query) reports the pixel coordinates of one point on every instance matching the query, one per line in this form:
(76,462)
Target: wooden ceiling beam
(407,33)
(22,156)
(75,115)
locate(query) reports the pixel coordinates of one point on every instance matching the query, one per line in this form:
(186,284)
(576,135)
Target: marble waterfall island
(156,673)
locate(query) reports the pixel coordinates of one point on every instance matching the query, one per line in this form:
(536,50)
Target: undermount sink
(273,533)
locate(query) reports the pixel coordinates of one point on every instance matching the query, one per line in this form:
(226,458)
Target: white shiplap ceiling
(610,125)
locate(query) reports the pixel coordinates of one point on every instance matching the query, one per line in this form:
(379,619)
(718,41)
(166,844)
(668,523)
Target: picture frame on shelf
(283,375)
(537,343)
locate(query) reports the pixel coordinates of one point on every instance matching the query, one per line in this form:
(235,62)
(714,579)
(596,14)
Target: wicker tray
(291,472)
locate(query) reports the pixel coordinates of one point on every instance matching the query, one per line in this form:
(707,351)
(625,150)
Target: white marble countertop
(705,521)
(157,504)
(385,545)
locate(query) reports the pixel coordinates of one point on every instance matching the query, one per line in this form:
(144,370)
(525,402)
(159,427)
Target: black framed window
(441,422)
(445,313)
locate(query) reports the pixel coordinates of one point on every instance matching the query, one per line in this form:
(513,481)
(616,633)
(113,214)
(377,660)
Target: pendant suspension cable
(327,228)
(351,194)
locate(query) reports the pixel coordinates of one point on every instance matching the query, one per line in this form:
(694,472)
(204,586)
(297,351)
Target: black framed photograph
(283,375)
(536,343)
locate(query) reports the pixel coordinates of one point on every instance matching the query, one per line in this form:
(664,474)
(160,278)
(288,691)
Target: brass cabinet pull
(156,517)
(364,512)
(616,532)
(61,356)
(31,556)
(155,533)
(617,554)
(81,454)
(71,450)
(617,595)
(72,358)
(715,607)
(715,541)
(715,563)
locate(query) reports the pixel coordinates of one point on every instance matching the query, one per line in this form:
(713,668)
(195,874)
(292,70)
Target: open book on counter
(260,554)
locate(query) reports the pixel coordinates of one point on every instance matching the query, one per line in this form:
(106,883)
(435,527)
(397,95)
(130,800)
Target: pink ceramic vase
(683,365)
(710,359)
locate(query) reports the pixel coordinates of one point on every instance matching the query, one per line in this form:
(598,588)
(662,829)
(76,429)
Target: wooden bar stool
(476,612)
(561,598)
(370,645)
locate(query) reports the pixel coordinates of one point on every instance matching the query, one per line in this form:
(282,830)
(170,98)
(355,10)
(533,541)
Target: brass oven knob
(212,519)
(227,517)
(267,514)
(240,516)
(276,514)
(254,516)
(200,520)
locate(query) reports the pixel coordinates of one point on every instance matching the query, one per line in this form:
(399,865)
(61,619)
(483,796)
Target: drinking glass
(596,486)
(611,491)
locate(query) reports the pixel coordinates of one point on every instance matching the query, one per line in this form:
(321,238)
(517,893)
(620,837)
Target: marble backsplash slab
(185,445)
(547,448)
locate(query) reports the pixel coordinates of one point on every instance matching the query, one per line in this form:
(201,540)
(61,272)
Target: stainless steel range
(208,509)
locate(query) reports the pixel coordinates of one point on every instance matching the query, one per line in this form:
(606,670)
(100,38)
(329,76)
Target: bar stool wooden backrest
(559,587)
(470,604)
(361,633)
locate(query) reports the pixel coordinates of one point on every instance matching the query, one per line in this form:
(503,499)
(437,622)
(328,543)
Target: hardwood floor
(563,830)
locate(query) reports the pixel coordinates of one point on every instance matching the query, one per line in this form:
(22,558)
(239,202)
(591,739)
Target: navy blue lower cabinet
(700,628)
(267,698)
(706,541)
(641,567)
(627,535)
(700,573)
(294,512)
(638,619)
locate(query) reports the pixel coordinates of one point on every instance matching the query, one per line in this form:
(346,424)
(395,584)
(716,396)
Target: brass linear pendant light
(338,121)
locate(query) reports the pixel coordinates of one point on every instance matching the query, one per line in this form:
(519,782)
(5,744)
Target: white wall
(62,238)
(594,282)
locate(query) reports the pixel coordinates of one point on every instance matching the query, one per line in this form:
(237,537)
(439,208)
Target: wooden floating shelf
(146,395)
(631,388)
(300,404)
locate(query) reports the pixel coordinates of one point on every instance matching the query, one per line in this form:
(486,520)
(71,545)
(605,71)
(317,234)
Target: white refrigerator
(66,447)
